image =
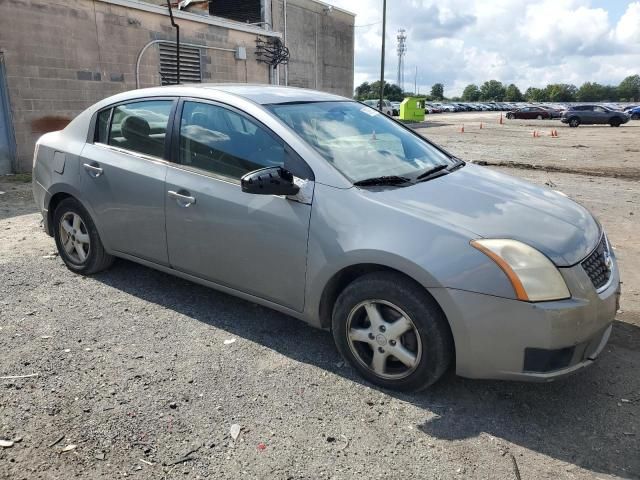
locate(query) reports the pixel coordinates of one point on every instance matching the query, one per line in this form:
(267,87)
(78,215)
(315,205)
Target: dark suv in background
(593,115)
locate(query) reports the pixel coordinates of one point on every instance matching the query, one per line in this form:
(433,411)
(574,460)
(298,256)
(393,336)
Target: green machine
(412,108)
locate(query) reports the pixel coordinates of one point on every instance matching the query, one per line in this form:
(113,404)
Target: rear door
(123,174)
(256,244)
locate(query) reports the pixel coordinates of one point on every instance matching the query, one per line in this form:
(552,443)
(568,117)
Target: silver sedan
(324,209)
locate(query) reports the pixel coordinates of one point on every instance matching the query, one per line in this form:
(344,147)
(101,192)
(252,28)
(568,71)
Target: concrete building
(59,56)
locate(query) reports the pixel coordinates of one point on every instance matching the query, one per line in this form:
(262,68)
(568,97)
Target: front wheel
(392,331)
(77,239)
(510,116)
(615,122)
(574,122)
(539,117)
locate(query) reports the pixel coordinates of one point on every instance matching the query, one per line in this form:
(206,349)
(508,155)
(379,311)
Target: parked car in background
(317,206)
(396,108)
(554,112)
(433,108)
(634,113)
(387,109)
(528,113)
(593,115)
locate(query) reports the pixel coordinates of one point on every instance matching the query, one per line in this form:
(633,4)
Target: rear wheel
(574,122)
(510,116)
(77,239)
(539,117)
(392,332)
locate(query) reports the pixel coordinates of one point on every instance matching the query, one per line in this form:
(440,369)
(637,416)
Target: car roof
(261,94)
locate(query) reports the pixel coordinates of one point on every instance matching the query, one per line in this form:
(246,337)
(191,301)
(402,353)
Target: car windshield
(359,141)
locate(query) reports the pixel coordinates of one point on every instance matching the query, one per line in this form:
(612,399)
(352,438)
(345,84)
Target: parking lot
(136,373)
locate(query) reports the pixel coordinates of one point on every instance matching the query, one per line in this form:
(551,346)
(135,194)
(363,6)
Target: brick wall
(62,56)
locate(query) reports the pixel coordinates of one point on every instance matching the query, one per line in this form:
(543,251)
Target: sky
(529,43)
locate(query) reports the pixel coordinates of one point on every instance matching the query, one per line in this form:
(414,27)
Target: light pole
(384,27)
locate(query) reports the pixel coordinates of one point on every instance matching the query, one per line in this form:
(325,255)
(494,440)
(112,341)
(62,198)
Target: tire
(615,122)
(539,117)
(635,116)
(73,227)
(574,122)
(426,339)
(510,116)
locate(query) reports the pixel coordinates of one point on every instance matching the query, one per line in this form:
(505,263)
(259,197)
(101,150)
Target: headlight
(533,276)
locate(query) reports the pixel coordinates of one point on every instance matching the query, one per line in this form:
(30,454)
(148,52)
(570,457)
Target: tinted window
(226,143)
(141,126)
(102,131)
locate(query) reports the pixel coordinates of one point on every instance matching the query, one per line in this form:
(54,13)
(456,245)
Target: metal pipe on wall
(153,42)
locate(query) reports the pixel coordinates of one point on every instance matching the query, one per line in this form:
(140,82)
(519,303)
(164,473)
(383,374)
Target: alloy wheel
(74,237)
(384,339)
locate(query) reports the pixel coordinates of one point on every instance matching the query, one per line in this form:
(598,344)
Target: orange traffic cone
(462,128)
(500,121)
(533,134)
(555,133)
(480,125)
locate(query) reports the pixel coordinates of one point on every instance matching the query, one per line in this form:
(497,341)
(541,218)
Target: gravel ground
(132,368)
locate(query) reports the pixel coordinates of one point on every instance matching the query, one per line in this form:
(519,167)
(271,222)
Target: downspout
(175,25)
(286,65)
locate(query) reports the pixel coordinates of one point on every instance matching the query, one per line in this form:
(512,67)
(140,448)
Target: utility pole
(384,28)
(415,82)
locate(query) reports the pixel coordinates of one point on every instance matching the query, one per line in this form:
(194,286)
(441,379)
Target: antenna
(402,50)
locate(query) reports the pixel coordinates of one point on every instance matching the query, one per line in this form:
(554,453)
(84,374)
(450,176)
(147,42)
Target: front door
(256,244)
(122,177)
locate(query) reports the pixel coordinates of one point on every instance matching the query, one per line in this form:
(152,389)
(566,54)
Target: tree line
(492,90)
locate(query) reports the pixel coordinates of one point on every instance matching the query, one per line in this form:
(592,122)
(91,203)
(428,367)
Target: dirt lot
(132,367)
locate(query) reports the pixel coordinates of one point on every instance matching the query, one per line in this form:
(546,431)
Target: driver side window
(225,143)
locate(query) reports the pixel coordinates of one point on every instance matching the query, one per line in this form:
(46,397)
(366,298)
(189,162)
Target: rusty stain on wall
(50,123)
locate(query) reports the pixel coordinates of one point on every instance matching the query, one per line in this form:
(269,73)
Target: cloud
(526,42)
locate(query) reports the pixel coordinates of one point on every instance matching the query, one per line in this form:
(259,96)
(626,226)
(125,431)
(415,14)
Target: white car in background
(387,108)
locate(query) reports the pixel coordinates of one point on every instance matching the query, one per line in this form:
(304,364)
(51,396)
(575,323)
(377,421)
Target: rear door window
(140,126)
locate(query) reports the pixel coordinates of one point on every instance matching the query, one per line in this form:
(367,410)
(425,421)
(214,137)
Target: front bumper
(506,339)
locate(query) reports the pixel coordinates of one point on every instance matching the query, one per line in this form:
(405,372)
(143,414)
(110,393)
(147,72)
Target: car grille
(596,264)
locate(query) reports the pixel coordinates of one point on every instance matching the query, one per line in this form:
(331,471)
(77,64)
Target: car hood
(489,204)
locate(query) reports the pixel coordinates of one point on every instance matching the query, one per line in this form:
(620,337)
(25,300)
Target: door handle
(93,169)
(188,200)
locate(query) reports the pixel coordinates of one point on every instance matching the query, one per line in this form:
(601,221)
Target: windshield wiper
(459,164)
(432,171)
(384,180)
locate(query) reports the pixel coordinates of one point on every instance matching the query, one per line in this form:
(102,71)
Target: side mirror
(269,181)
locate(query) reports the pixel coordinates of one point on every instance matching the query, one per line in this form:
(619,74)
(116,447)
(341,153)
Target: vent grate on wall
(190,68)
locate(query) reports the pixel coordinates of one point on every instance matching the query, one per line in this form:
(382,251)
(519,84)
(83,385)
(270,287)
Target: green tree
(492,90)
(471,93)
(534,94)
(589,92)
(560,92)
(513,94)
(363,90)
(437,91)
(611,93)
(369,91)
(629,88)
